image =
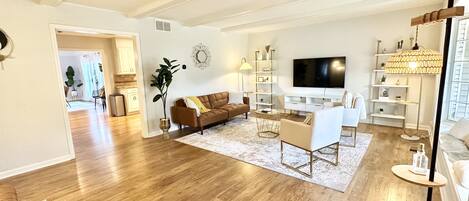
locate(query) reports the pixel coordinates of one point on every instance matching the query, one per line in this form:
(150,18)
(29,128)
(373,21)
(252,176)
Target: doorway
(84,80)
(107,63)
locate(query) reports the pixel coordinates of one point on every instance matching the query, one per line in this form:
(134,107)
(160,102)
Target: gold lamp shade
(420,61)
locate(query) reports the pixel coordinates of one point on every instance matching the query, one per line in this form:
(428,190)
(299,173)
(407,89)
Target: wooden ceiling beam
(235,12)
(438,15)
(49,2)
(155,7)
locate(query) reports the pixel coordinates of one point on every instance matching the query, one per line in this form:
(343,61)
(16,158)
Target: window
(458,103)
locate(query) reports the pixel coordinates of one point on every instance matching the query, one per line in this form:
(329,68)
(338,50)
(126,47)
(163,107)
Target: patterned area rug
(238,139)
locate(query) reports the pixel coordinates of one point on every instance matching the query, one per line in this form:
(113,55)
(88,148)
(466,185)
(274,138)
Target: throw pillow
(461,171)
(199,104)
(347,99)
(235,98)
(308,119)
(191,104)
(461,129)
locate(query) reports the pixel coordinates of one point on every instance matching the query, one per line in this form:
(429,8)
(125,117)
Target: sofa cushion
(214,115)
(218,100)
(235,109)
(205,100)
(236,97)
(460,129)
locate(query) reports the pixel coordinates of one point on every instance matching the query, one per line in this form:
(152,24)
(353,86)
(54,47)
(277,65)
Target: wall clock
(201,56)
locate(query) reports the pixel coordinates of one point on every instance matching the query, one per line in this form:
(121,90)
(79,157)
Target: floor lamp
(245,66)
(417,61)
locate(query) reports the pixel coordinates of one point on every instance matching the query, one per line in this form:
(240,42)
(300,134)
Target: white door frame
(140,80)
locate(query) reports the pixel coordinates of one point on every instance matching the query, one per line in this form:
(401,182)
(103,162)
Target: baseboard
(35,166)
(159,132)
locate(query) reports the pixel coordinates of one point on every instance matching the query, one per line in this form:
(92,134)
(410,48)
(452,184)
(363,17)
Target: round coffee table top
(404,173)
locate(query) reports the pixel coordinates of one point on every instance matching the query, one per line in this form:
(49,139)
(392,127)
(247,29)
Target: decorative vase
(165,124)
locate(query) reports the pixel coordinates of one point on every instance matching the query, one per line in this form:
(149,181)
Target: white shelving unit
(399,106)
(264,89)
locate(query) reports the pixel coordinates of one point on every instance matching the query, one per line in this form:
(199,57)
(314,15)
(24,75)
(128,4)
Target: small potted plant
(70,83)
(383,79)
(162,81)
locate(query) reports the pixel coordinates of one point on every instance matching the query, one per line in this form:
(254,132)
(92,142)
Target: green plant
(163,80)
(70,78)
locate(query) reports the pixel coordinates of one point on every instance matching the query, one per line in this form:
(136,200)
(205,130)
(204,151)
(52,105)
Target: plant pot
(165,124)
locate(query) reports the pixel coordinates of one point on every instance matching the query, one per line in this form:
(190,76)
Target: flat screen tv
(328,72)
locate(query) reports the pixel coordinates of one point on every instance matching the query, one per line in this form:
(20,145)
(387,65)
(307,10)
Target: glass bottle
(420,161)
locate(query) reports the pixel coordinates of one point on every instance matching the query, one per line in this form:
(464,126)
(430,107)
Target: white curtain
(93,78)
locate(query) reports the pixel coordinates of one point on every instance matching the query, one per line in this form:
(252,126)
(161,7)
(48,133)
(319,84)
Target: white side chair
(352,117)
(324,132)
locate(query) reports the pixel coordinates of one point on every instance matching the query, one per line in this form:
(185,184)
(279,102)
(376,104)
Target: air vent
(163,26)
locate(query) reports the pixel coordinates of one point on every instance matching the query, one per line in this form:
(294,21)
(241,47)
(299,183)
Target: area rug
(238,139)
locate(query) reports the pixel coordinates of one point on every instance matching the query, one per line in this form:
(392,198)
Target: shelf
(388,116)
(268,104)
(264,72)
(378,70)
(263,82)
(385,54)
(264,93)
(390,85)
(394,102)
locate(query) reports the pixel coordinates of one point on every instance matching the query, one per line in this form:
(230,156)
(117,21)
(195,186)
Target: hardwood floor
(113,162)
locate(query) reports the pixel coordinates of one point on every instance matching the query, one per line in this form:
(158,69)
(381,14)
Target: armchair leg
(297,169)
(202,130)
(246,115)
(353,133)
(336,161)
(180,126)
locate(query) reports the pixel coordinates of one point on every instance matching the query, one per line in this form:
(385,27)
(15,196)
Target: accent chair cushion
(461,129)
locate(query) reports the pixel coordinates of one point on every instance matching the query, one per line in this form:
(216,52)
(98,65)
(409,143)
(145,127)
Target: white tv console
(308,103)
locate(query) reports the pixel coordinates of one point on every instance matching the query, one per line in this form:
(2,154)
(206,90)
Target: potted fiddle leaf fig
(71,82)
(162,81)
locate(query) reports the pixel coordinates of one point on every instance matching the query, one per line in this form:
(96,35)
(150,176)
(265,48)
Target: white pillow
(191,104)
(235,98)
(461,171)
(347,99)
(460,129)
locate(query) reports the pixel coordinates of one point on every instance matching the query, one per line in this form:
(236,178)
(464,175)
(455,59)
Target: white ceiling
(249,15)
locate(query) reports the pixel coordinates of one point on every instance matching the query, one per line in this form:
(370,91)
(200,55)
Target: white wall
(356,39)
(33,124)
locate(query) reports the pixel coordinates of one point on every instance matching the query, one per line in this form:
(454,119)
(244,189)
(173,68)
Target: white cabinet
(124,56)
(131,99)
(308,103)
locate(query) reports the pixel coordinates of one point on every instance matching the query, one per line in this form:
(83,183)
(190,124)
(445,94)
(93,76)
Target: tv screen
(319,72)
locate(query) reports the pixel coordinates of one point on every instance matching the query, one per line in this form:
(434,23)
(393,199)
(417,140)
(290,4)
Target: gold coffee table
(268,123)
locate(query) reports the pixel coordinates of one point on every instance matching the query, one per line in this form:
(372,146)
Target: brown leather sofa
(220,111)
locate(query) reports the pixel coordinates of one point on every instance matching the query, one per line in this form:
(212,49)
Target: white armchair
(324,132)
(352,117)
